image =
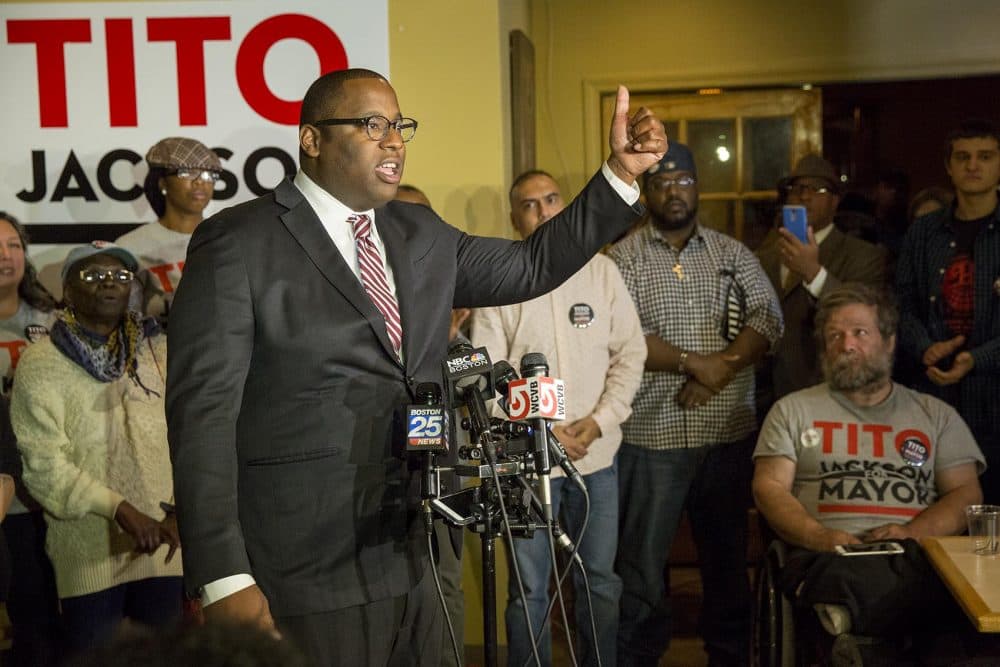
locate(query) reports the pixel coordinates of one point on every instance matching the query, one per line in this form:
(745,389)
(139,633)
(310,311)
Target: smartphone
(794,220)
(869,549)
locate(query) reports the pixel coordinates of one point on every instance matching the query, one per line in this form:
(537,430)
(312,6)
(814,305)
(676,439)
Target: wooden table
(973,580)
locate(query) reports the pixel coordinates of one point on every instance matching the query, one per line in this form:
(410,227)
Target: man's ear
(309,140)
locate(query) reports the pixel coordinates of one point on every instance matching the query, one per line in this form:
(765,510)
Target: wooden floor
(685,645)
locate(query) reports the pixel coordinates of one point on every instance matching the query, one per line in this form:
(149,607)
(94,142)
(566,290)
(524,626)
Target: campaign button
(581,315)
(810,438)
(914,452)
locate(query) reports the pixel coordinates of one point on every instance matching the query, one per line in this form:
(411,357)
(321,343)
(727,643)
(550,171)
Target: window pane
(716,214)
(713,143)
(673,129)
(768,151)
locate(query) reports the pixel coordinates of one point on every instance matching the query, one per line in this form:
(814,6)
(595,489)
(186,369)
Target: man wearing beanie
(803,272)
(179,185)
(708,313)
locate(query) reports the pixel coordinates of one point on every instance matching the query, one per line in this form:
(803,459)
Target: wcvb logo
(536,397)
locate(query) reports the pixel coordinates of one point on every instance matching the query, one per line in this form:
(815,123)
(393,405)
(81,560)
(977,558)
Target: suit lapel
(302,223)
(830,250)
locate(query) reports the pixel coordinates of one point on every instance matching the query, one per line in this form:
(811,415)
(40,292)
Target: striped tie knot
(362,225)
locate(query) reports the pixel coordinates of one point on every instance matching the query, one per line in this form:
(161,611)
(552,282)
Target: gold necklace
(679,270)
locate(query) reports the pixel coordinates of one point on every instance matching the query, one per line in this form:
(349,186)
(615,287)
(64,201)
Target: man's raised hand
(637,143)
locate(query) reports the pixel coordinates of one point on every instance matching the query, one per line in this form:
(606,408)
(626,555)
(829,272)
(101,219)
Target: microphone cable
(489,454)
(444,603)
(574,556)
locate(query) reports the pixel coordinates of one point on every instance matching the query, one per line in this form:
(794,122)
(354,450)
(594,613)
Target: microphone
(535,398)
(426,432)
(559,455)
(468,381)
(427,422)
(503,375)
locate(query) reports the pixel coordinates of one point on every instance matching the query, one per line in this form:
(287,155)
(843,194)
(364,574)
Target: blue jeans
(598,553)
(91,620)
(713,482)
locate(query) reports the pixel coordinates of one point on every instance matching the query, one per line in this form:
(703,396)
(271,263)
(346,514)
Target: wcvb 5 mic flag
(537,397)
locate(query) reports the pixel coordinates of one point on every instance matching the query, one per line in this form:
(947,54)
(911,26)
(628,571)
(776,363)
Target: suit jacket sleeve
(496,272)
(210,346)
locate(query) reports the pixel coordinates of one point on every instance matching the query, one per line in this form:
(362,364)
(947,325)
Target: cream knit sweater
(86,446)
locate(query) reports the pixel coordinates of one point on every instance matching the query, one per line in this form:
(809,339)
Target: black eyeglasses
(377,127)
(799,189)
(91,276)
(663,184)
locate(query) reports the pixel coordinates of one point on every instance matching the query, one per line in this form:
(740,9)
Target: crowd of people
(252,467)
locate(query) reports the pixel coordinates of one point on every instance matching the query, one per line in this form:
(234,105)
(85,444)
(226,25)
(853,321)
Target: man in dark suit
(284,373)
(803,272)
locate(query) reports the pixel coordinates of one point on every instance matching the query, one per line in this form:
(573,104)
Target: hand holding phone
(869,549)
(793,218)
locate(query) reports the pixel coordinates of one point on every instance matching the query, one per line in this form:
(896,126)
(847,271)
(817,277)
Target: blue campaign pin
(581,315)
(914,452)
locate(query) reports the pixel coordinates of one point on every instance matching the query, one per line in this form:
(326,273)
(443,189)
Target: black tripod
(494,508)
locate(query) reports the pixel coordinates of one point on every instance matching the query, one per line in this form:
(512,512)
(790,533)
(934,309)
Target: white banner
(92,85)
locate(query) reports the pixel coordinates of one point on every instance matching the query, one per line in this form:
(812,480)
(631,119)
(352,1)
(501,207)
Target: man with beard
(863,459)
(708,312)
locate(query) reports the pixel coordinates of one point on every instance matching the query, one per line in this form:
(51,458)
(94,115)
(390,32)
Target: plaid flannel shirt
(723,289)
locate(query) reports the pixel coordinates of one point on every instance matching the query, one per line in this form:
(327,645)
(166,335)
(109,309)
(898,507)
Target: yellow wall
(584,47)
(449,64)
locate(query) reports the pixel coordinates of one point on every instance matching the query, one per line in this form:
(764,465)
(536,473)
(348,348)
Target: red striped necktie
(374,279)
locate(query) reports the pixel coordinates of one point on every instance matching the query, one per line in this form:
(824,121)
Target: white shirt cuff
(816,286)
(220,588)
(627,191)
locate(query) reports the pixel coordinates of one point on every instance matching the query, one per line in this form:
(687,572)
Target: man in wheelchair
(861,459)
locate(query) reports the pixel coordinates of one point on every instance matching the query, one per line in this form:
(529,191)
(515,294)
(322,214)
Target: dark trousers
(713,484)
(91,620)
(32,603)
(450,571)
(400,631)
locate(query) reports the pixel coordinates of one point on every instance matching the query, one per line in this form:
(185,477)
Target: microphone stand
(479,430)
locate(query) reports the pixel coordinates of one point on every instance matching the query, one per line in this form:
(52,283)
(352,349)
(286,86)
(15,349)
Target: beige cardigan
(86,446)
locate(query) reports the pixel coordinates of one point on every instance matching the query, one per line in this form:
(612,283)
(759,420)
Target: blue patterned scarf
(106,358)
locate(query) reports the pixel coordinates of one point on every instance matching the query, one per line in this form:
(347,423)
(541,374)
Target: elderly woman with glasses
(87,409)
(179,186)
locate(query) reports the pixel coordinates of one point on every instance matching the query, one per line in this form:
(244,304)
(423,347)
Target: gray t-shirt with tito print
(861,467)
